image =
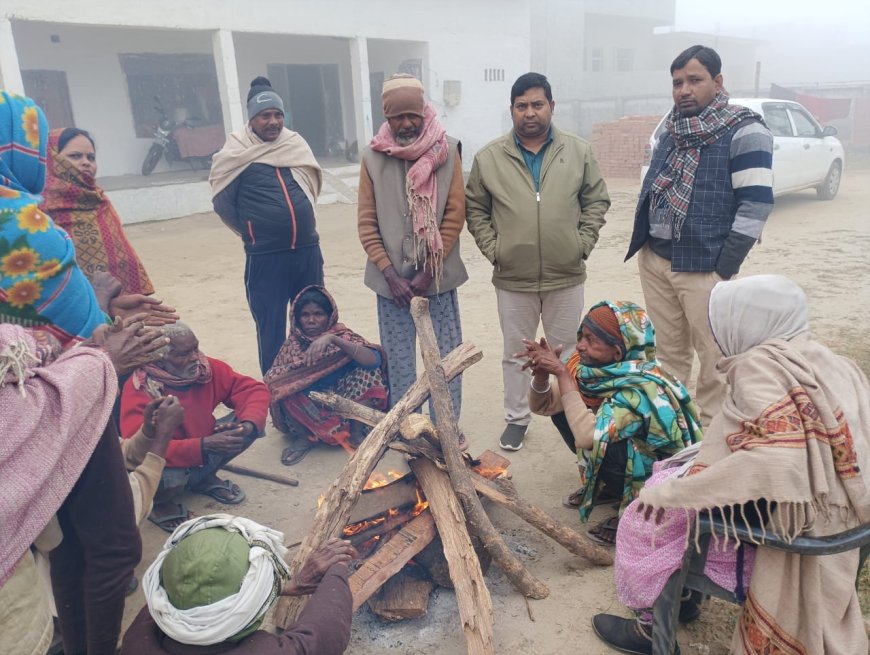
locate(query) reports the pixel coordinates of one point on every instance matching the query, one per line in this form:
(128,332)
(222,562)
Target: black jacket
(268,209)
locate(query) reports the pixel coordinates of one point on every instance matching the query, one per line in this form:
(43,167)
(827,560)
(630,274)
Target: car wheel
(828,189)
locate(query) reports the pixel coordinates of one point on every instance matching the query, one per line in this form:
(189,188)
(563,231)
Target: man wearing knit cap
(265,183)
(613,404)
(410,213)
(217,577)
(535,201)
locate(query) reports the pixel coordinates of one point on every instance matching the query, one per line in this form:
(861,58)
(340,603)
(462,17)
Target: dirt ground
(197,266)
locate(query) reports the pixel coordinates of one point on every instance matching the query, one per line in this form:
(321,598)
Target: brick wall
(619,146)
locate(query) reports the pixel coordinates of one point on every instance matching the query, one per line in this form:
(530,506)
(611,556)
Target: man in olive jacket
(535,202)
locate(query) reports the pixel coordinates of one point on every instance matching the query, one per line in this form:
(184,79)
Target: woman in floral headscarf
(623,410)
(79,206)
(40,282)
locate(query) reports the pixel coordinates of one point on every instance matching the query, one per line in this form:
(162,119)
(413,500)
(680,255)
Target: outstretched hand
(647,511)
(130,343)
(128,304)
(334,551)
(541,358)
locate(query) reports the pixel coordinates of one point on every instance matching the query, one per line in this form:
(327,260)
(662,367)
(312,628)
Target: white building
(99,65)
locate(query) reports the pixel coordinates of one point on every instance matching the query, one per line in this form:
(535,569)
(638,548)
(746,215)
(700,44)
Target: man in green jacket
(535,202)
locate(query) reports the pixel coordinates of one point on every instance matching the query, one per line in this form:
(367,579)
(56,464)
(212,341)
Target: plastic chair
(691,574)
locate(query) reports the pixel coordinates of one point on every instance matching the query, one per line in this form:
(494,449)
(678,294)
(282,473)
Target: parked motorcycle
(165,144)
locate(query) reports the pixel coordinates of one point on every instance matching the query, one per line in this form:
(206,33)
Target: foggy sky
(802,40)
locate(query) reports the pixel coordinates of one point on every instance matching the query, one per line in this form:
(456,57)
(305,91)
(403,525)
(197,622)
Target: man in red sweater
(199,447)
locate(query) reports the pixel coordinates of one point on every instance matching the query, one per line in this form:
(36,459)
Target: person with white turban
(217,576)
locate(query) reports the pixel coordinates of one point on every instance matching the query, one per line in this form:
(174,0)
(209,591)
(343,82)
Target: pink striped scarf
(429,153)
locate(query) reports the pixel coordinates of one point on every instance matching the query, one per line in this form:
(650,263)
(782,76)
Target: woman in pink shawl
(790,450)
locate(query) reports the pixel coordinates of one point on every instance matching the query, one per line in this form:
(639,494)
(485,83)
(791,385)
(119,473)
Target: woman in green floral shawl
(613,390)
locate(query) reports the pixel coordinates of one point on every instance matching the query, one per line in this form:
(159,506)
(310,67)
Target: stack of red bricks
(620,146)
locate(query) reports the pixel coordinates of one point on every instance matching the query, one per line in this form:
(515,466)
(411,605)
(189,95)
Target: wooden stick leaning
(501,492)
(472,595)
(448,430)
(332,515)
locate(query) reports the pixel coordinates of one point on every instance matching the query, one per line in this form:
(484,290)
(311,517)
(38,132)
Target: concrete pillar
(10,71)
(228,79)
(362,97)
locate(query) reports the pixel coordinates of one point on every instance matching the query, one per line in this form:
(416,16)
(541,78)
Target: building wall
(463,38)
(97,85)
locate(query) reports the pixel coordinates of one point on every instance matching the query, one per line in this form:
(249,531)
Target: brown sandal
(604,533)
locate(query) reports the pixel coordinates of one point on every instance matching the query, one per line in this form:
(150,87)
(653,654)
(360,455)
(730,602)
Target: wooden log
(503,492)
(262,475)
(432,560)
(491,465)
(373,502)
(389,524)
(472,595)
(334,511)
(403,597)
(412,427)
(448,430)
(390,558)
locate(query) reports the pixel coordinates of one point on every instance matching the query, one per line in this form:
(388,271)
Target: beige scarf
(289,150)
(795,431)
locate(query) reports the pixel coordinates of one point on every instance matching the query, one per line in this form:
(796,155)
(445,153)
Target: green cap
(205,567)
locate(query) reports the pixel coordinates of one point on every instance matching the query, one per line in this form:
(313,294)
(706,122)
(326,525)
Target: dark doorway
(49,90)
(312,102)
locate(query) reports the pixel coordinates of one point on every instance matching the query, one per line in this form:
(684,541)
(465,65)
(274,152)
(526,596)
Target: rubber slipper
(605,532)
(214,491)
(294,454)
(165,523)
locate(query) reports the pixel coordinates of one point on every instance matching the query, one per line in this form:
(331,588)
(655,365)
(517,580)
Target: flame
(491,472)
(421,506)
(378,479)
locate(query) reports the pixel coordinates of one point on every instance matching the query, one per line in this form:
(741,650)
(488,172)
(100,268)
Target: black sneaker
(625,635)
(512,437)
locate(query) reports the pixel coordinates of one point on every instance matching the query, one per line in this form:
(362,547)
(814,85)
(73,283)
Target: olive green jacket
(536,241)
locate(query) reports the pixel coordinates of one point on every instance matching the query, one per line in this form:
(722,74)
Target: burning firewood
(333,513)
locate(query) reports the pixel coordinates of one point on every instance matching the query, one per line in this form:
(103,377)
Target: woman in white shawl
(791,444)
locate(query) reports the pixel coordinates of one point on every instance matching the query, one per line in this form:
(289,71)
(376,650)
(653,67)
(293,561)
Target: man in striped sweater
(702,206)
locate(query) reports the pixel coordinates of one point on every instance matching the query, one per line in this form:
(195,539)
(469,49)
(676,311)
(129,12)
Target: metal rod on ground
(262,475)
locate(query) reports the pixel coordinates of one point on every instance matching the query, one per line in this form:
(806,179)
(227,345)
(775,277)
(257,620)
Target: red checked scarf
(153,378)
(429,153)
(691,133)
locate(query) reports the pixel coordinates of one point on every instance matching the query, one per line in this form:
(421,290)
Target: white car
(805,154)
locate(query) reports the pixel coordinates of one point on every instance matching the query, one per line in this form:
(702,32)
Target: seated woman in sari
(321,354)
(614,405)
(789,451)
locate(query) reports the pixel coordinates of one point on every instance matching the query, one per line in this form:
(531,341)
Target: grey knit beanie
(262,96)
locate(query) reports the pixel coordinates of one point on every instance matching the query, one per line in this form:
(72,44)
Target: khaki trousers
(677,304)
(519,314)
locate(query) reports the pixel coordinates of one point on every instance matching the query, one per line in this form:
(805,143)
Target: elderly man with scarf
(614,405)
(411,211)
(217,576)
(265,182)
(200,446)
(702,206)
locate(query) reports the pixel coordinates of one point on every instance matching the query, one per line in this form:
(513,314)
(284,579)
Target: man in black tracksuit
(265,183)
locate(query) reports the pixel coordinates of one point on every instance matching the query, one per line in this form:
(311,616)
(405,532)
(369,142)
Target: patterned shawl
(289,374)
(153,378)
(40,282)
(79,206)
(54,412)
(429,152)
(794,430)
(641,402)
(676,180)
